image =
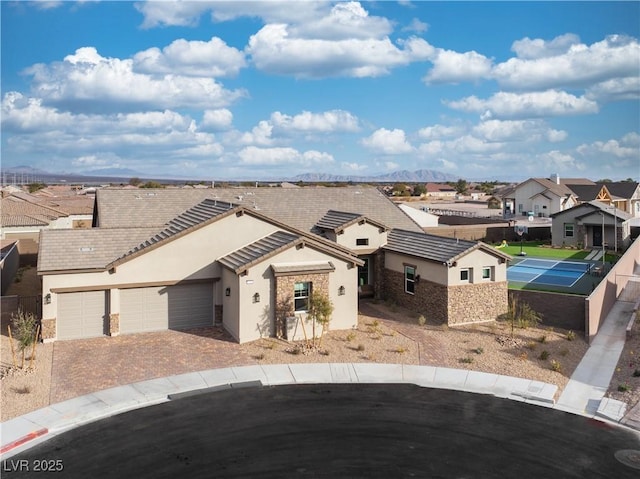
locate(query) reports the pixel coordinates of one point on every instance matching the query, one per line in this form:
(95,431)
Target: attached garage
(158,308)
(82,315)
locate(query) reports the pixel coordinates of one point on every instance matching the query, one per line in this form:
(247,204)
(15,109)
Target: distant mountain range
(418,176)
(29,174)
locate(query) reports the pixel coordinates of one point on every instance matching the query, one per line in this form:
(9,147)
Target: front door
(597,236)
(365,286)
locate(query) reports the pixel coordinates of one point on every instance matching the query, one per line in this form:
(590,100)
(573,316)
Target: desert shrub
(544,355)
(556,366)
(467,360)
(624,387)
(571,336)
(542,339)
(479,350)
(422,320)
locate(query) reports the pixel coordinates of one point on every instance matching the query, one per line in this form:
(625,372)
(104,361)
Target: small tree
(320,310)
(25,331)
(520,314)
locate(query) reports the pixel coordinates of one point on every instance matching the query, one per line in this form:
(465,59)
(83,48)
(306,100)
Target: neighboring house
(624,195)
(588,225)
(542,197)
(249,259)
(423,218)
(440,190)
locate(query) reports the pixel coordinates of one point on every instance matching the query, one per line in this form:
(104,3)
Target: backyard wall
(490,233)
(558,310)
(599,303)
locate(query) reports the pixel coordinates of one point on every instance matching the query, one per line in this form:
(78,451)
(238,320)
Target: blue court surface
(549,272)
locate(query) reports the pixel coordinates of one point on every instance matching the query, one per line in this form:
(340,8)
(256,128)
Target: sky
(271,89)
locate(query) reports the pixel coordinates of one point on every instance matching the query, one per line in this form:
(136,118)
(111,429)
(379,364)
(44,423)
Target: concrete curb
(23,432)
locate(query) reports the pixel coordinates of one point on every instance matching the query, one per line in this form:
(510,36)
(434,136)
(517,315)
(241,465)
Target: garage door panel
(81,315)
(166,307)
(190,306)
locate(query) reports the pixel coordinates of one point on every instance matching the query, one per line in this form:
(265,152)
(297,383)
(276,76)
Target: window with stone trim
(410,279)
(301,294)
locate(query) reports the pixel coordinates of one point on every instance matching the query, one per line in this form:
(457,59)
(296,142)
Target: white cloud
(252,155)
(259,135)
(614,57)
(626,147)
(559,162)
(390,165)
(353,166)
(273,50)
(325,122)
(439,131)
(454,67)
(217,119)
(191,58)
(388,142)
(617,89)
(86,80)
(517,130)
(530,49)
(171,13)
(416,26)
(89,161)
(526,105)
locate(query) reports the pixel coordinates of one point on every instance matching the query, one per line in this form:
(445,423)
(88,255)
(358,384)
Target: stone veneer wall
(48,329)
(284,295)
(454,305)
(217,311)
(114,324)
(430,299)
(470,303)
(379,273)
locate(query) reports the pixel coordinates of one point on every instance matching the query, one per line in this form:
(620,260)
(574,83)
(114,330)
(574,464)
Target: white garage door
(81,315)
(166,307)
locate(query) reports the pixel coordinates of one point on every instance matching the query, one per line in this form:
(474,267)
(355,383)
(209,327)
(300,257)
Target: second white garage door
(166,307)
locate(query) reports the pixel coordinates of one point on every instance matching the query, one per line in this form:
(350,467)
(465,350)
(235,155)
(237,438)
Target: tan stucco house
(249,258)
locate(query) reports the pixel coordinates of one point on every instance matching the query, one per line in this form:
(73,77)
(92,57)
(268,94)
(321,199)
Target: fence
(559,310)
(599,303)
(11,304)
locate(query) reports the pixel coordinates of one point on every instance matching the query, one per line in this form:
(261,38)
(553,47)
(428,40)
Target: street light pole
(603,253)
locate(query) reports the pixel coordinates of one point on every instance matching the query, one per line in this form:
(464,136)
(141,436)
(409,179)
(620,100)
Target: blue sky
(271,89)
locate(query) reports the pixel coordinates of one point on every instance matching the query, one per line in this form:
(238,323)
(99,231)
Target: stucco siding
(375,238)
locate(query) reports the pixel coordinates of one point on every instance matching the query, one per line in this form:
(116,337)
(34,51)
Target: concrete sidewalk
(26,431)
(584,393)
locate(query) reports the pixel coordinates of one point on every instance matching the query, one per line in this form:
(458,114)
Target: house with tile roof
(250,258)
(542,197)
(624,195)
(592,224)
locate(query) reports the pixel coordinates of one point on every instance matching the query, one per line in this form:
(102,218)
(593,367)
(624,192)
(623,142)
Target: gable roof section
(243,258)
(337,221)
(559,190)
(86,249)
(595,206)
(435,248)
(586,192)
(299,208)
(19,210)
(203,212)
(621,189)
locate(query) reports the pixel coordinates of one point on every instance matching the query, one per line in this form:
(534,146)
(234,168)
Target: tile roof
(557,189)
(433,248)
(621,189)
(62,250)
(338,220)
(303,267)
(18,211)
(255,252)
(300,208)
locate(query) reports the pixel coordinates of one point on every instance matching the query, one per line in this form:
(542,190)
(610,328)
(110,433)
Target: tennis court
(548,272)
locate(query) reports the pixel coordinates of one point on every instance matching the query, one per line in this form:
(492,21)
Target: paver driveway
(83,366)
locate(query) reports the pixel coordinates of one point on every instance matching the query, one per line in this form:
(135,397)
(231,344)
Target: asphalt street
(336,430)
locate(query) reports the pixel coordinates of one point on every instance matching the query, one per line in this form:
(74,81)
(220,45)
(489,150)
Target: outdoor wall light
(227,292)
(256,298)
(341,291)
(47,298)
(417,278)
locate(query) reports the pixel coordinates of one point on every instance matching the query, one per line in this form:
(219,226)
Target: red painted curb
(23,440)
